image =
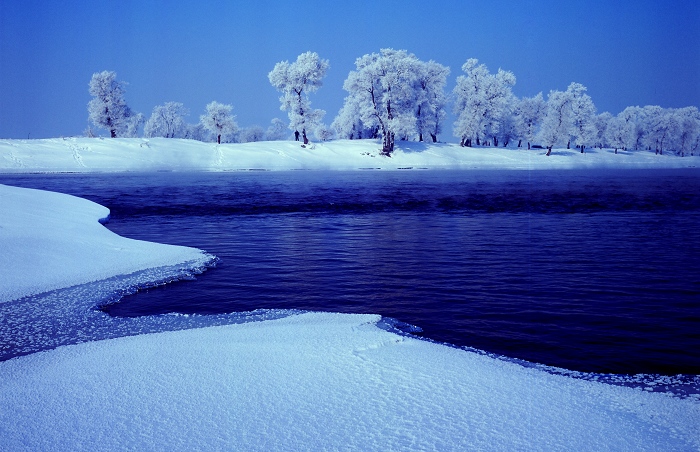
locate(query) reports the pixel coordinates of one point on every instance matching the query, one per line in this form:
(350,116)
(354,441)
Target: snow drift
(51,240)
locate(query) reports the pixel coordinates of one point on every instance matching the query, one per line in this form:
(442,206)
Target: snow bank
(161,154)
(51,241)
(317,381)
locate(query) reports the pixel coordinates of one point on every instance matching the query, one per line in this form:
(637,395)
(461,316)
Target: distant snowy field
(314,381)
(169,154)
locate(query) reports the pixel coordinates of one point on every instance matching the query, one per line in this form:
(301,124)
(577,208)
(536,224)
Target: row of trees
(108,109)
(394,95)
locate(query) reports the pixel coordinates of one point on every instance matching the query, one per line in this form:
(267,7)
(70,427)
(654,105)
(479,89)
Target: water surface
(594,270)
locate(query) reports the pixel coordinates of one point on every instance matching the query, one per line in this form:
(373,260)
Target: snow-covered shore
(166,154)
(317,381)
(51,241)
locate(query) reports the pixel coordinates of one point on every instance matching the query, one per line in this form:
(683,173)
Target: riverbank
(167,154)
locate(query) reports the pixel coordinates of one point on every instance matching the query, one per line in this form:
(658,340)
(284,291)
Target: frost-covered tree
(583,115)
(132,125)
(660,125)
(167,121)
(557,121)
(481,101)
(348,124)
(276,131)
(633,119)
(393,95)
(295,81)
(570,115)
(251,134)
(430,98)
(601,126)
(108,108)
(530,112)
(509,125)
(688,138)
(324,133)
(383,88)
(219,121)
(197,132)
(617,133)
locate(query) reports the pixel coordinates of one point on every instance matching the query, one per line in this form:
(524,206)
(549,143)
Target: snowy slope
(137,154)
(317,381)
(50,241)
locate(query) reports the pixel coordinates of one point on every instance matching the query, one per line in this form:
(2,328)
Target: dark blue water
(597,271)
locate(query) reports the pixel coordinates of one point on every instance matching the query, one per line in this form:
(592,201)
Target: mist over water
(594,270)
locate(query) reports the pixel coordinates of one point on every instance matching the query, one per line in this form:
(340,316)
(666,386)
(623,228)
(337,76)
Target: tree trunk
(549,150)
(528,145)
(520,143)
(495,142)
(113,133)
(388,144)
(568,145)
(420,136)
(582,148)
(477,141)
(303,134)
(434,137)
(218,139)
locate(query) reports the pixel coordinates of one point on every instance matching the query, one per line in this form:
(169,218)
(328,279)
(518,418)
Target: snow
(51,240)
(317,381)
(302,381)
(169,154)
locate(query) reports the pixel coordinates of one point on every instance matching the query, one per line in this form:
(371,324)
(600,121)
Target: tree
(167,121)
(660,126)
(276,131)
(481,99)
(196,132)
(296,81)
(688,120)
(556,125)
(251,134)
(617,133)
(602,121)
(583,114)
(324,133)
(348,124)
(569,115)
(108,109)
(430,98)
(383,89)
(530,112)
(219,121)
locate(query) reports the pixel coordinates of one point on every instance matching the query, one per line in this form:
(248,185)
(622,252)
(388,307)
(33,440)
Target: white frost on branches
(167,121)
(219,121)
(108,109)
(296,80)
(482,100)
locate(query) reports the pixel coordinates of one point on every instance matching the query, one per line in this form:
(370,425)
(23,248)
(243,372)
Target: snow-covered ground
(167,154)
(50,241)
(312,381)
(317,381)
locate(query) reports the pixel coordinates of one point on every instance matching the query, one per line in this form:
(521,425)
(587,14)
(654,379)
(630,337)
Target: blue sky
(627,52)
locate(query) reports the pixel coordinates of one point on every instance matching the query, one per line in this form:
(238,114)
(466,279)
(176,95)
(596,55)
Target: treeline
(108,110)
(392,95)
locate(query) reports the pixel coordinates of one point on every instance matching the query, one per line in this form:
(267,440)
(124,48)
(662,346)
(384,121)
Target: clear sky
(627,52)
